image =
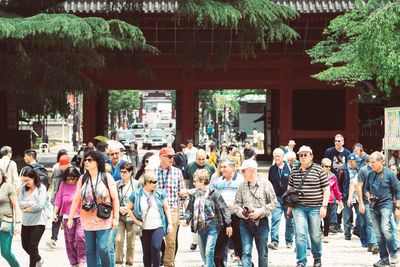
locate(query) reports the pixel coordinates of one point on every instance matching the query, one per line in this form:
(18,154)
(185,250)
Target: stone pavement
(337,253)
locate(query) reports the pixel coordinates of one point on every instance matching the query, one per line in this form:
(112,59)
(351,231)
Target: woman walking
(97,196)
(126,187)
(9,215)
(32,201)
(208,213)
(74,237)
(148,207)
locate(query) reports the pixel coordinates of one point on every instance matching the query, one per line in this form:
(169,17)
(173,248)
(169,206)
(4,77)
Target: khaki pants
(169,256)
(130,243)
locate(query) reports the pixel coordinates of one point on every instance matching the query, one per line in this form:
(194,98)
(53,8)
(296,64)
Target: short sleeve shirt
(6,191)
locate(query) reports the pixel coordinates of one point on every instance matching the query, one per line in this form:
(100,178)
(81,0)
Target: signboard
(392,128)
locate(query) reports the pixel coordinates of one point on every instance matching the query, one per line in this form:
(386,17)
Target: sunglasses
(113,154)
(88,160)
(326,166)
(169,156)
(123,171)
(338,141)
(152,181)
(302,155)
(71,179)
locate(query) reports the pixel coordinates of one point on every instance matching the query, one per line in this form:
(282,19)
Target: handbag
(291,196)
(104,210)
(6,224)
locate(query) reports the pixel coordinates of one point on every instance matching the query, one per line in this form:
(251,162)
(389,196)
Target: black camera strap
(304,177)
(95,188)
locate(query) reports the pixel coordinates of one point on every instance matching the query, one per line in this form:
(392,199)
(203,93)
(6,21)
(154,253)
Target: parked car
(126,137)
(155,138)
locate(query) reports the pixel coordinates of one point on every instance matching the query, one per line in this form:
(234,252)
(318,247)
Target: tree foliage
(363,45)
(123,100)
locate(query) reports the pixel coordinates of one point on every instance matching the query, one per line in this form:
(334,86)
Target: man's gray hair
(377,155)
(5,150)
(278,151)
(230,162)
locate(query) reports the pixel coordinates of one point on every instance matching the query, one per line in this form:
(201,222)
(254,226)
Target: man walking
(278,175)
(382,187)
(255,200)
(312,183)
(9,166)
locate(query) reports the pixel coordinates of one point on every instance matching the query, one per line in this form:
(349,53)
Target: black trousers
(327,219)
(55,228)
(30,238)
(222,241)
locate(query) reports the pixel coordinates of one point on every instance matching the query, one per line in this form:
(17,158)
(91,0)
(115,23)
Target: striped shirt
(171,180)
(315,180)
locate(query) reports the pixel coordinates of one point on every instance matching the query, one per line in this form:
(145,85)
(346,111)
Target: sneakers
(273,246)
(375,249)
(300,265)
(332,229)
(394,259)
(289,245)
(193,246)
(325,239)
(51,243)
(382,263)
(40,263)
(317,263)
(347,238)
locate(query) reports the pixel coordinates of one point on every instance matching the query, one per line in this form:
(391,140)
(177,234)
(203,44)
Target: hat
(167,151)
(354,156)
(305,149)
(291,142)
(64,160)
(248,163)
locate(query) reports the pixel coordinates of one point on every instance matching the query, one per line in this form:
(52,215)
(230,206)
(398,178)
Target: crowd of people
(105,198)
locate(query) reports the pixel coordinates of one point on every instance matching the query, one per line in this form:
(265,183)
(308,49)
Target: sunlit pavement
(337,253)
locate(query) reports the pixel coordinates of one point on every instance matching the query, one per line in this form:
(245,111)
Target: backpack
(42,172)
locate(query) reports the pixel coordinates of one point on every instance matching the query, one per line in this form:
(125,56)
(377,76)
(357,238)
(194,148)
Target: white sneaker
(40,263)
(394,259)
(51,243)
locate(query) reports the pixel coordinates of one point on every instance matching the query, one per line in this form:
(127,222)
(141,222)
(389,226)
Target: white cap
(249,163)
(304,149)
(291,142)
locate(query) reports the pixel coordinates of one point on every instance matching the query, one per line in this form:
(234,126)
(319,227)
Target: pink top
(89,219)
(64,198)
(333,185)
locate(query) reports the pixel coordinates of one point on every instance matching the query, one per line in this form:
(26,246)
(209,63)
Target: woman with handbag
(74,237)
(32,200)
(208,214)
(148,207)
(9,212)
(97,196)
(126,187)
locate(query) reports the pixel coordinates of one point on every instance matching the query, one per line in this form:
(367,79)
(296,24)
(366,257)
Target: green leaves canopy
(361,45)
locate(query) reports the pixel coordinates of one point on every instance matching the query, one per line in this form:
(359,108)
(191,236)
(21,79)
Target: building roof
(168,6)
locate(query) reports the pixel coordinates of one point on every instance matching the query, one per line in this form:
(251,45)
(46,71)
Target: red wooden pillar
(89,116)
(186,104)
(285,102)
(352,120)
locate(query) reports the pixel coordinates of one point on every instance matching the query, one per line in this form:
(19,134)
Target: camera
(88,206)
(374,202)
(247,211)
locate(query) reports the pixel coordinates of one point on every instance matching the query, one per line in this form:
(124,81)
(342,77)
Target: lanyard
(122,195)
(94,190)
(165,177)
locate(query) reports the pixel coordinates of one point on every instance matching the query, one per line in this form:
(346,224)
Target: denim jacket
(159,197)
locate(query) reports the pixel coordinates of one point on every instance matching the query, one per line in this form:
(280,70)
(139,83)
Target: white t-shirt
(191,154)
(151,217)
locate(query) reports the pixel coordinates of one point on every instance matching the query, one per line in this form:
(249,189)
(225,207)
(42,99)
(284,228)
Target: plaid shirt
(171,180)
(261,196)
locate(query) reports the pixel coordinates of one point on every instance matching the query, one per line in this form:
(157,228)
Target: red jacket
(333,185)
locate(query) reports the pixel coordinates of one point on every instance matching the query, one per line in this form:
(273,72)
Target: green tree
(122,103)
(362,48)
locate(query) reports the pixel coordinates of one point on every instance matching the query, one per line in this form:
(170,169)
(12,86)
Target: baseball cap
(64,160)
(167,151)
(354,156)
(248,163)
(305,149)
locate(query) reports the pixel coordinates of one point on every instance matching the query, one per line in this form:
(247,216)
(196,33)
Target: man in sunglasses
(114,154)
(338,154)
(312,182)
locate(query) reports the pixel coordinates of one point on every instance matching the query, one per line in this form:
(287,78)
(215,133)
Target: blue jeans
(97,247)
(366,226)
(306,220)
(276,220)
(382,223)
(151,246)
(249,231)
(207,240)
(347,214)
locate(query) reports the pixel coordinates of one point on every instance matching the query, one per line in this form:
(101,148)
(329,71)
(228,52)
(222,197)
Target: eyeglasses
(169,156)
(113,154)
(71,179)
(123,171)
(338,141)
(88,160)
(303,155)
(326,166)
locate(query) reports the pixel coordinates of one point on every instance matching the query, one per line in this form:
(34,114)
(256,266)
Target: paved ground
(337,253)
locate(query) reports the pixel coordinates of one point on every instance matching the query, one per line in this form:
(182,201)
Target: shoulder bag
(291,196)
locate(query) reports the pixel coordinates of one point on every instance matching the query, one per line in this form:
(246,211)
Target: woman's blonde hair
(202,175)
(149,176)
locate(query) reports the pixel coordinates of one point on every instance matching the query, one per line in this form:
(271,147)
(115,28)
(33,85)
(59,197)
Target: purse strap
(304,176)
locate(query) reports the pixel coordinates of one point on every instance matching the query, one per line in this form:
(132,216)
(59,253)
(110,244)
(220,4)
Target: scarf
(199,219)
